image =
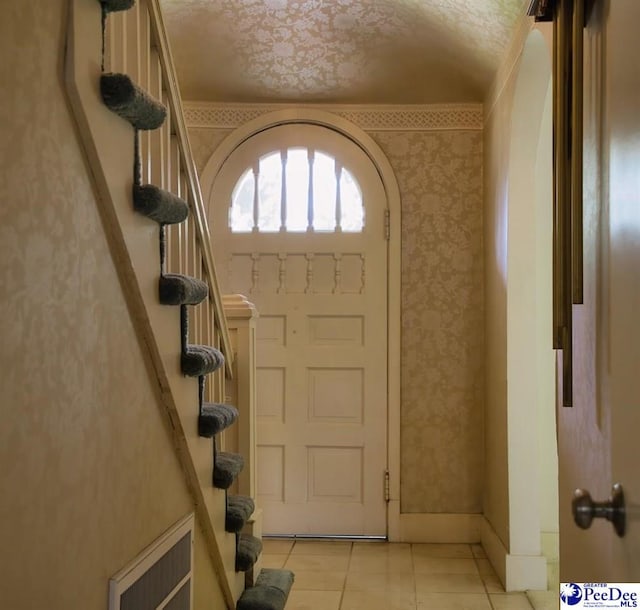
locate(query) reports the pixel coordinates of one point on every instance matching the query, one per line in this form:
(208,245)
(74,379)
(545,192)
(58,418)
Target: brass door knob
(585,510)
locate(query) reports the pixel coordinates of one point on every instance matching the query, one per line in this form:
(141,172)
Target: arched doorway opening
(532,448)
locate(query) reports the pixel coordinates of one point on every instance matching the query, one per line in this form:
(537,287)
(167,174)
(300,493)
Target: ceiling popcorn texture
(340,51)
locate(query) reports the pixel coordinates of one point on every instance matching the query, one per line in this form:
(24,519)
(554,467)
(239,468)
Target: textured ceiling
(351,51)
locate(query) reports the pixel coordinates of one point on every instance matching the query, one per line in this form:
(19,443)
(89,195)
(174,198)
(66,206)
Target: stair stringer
(133,240)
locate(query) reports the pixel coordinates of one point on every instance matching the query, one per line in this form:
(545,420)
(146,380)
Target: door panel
(583,431)
(597,438)
(624,272)
(321,346)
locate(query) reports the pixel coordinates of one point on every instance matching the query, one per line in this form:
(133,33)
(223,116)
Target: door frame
(392,193)
(531,374)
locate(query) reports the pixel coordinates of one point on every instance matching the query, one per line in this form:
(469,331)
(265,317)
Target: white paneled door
(308,247)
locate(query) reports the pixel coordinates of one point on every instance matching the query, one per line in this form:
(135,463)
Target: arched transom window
(296,189)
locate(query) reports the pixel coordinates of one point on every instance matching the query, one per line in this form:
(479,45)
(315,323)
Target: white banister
(136,44)
(194,194)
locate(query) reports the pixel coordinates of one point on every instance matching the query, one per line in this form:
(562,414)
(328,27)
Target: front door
(300,229)
(598,437)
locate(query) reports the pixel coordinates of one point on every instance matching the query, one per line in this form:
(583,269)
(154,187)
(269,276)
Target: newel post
(241,317)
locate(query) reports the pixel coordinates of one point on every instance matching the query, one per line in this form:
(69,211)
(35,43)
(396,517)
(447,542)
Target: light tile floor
(393,576)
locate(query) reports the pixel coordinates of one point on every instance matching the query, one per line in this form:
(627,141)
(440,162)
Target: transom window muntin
(296,189)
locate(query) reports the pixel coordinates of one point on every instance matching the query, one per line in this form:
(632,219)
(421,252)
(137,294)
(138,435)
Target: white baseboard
(517,572)
(494,549)
(393,521)
(439,528)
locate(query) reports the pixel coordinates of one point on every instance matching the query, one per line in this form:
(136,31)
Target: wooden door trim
(392,193)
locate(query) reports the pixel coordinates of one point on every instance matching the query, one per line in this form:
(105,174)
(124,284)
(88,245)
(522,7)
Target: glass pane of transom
(297,189)
(241,212)
(324,192)
(351,202)
(269,192)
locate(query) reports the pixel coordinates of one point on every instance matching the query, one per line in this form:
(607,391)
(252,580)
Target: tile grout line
(346,574)
(413,575)
(484,584)
(493,603)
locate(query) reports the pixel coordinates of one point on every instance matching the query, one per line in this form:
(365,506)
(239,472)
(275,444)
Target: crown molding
(432,117)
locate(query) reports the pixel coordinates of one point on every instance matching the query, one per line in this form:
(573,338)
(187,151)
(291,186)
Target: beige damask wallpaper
(440,178)
(89,474)
(351,51)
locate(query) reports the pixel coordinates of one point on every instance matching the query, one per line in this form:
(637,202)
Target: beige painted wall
(89,476)
(496,141)
(440,178)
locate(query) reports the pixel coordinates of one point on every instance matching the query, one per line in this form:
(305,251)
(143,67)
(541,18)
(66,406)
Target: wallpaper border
(441,117)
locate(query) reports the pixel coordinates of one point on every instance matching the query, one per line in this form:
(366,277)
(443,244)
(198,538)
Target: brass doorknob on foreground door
(585,510)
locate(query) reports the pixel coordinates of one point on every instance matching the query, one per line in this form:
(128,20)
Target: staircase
(123,92)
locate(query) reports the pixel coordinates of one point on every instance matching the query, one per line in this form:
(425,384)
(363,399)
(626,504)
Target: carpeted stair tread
(159,205)
(197,360)
(270,591)
(215,418)
(133,104)
(111,6)
(247,552)
(226,468)
(239,509)
(176,289)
